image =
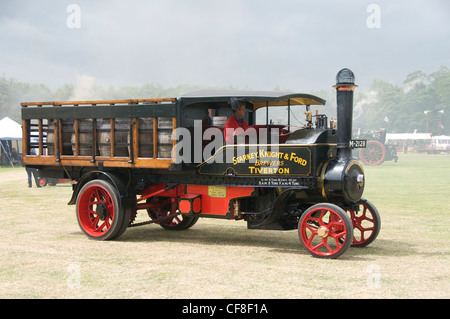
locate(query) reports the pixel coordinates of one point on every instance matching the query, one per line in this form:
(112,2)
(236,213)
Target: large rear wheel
(373,154)
(325,230)
(99,212)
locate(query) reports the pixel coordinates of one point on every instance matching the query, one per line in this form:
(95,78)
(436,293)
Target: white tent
(10,131)
(408,136)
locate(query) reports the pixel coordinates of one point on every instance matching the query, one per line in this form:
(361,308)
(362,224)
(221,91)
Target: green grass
(417,187)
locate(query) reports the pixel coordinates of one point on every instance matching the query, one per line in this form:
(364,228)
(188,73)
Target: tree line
(421,103)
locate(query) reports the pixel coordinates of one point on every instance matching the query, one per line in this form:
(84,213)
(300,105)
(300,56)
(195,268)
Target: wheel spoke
(325,244)
(312,228)
(320,244)
(105,225)
(98,195)
(95,221)
(320,219)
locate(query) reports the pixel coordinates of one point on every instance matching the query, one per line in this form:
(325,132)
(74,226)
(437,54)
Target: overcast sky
(256,44)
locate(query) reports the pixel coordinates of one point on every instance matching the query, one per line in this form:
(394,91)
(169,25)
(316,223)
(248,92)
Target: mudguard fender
(119,182)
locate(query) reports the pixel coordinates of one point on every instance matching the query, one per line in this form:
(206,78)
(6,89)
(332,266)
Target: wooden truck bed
(75,133)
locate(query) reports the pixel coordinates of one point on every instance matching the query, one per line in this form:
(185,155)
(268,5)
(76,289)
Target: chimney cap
(345,76)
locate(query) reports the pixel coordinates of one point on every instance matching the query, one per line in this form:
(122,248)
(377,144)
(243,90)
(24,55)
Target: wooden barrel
(85,130)
(121,137)
(146,137)
(146,146)
(219,121)
(66,131)
(51,138)
(164,137)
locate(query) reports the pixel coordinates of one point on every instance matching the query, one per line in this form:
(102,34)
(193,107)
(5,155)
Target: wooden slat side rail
(155,137)
(76,128)
(25,137)
(67,160)
(127,101)
(41,138)
(174,141)
(113,137)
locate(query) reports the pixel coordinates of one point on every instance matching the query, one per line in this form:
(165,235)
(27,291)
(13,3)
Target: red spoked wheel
(177,221)
(99,213)
(325,230)
(373,154)
(366,223)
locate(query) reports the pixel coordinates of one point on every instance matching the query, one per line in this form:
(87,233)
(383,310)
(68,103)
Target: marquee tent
(10,151)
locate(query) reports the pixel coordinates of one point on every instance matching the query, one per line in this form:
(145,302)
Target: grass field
(44,254)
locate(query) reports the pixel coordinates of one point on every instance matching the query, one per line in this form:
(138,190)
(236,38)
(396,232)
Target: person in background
(32,171)
(382,135)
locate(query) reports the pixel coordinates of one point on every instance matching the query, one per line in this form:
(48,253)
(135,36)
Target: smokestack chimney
(345,84)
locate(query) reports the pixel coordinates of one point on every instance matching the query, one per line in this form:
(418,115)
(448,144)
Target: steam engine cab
(170,159)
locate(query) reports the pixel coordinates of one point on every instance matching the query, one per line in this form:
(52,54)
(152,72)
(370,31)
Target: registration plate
(357,144)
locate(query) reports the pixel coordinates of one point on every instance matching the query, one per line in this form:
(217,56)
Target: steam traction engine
(167,157)
(377,150)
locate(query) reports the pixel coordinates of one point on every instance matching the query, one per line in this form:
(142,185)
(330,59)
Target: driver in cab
(236,124)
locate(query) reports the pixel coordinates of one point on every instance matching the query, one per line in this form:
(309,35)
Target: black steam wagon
(178,159)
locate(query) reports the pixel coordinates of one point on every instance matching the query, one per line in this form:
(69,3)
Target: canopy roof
(10,130)
(257,98)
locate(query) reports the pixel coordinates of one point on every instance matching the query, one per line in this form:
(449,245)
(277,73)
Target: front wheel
(99,212)
(325,230)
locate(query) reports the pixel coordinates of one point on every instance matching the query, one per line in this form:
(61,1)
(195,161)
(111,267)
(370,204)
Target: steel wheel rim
(96,210)
(365,226)
(323,232)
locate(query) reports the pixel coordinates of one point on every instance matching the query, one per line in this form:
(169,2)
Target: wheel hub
(102,211)
(322,231)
